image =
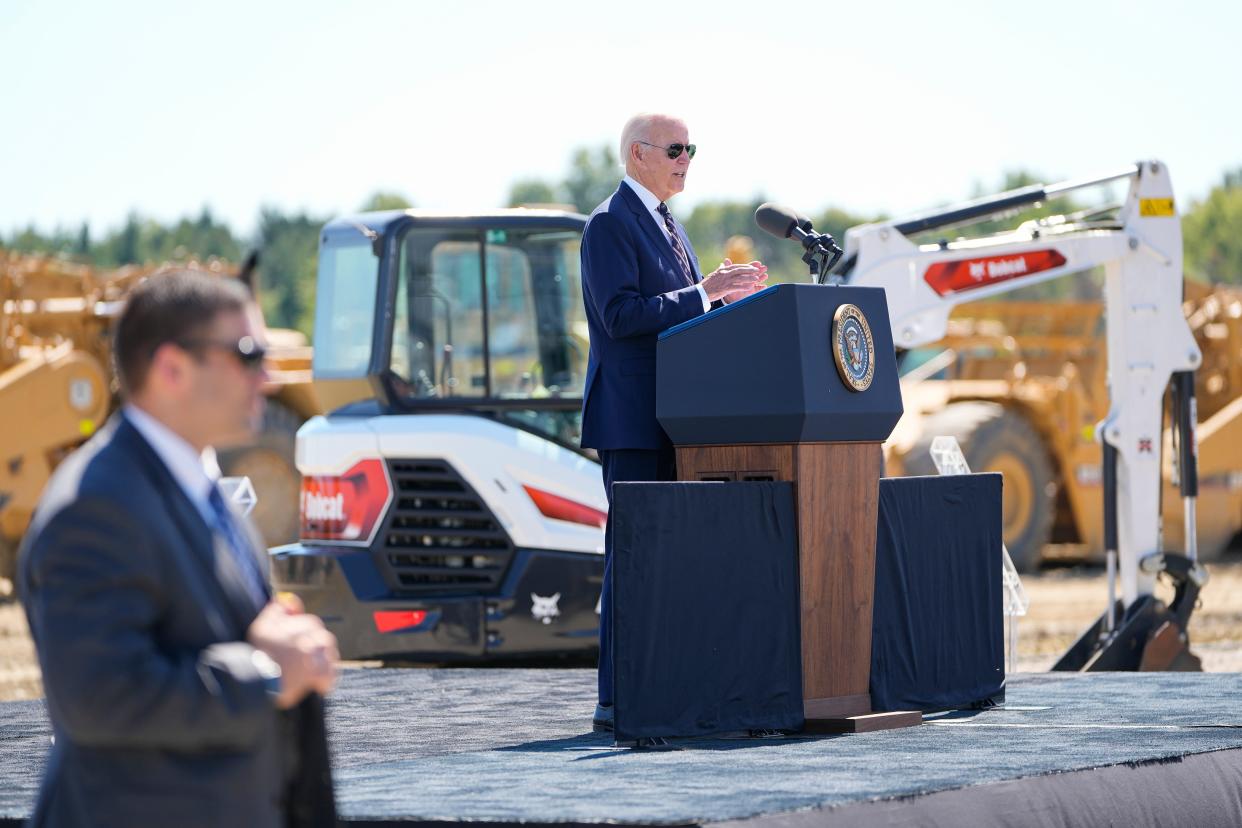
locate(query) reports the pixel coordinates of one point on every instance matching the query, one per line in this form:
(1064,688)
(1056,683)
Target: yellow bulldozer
(1021,385)
(57,389)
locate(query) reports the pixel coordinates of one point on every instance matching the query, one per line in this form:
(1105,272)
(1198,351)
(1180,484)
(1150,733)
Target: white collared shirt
(653,209)
(195,473)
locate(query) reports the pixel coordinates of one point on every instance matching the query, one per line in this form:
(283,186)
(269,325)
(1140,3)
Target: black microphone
(822,252)
(785,224)
(777,220)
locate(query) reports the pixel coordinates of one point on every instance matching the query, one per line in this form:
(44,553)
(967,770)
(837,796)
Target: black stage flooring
(514,746)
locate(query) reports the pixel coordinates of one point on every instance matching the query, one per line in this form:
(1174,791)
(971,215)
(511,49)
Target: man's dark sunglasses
(248,352)
(674,150)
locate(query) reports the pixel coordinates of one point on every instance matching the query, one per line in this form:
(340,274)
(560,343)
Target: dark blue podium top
(762,370)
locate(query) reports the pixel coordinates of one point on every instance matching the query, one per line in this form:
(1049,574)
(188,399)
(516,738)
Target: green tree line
(1212,234)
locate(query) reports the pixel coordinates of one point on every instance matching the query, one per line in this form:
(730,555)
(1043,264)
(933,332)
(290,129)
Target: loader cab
(421,312)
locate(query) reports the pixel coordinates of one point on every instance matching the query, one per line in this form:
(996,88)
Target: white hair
(638,129)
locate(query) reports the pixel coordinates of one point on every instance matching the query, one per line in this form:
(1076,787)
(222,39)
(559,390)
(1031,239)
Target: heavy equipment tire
(268,462)
(998,439)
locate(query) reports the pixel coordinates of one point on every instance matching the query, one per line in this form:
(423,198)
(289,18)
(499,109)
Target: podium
(799,383)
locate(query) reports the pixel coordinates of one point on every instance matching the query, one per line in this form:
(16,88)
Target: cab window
(492,318)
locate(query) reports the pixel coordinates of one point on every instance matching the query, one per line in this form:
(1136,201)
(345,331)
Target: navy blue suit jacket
(140,618)
(633,288)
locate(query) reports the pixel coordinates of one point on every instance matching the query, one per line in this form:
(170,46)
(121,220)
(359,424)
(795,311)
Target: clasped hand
(731,282)
(300,644)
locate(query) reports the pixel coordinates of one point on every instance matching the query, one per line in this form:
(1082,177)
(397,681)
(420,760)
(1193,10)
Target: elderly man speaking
(640,277)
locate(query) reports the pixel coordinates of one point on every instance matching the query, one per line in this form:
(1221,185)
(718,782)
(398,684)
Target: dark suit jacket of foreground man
(159,714)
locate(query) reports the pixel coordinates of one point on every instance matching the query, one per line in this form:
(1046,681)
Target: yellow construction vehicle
(56,389)
(55,376)
(1021,385)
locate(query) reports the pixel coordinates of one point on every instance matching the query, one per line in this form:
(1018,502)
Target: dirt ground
(1063,602)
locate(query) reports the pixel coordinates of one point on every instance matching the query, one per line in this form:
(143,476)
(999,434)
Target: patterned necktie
(243,556)
(675,240)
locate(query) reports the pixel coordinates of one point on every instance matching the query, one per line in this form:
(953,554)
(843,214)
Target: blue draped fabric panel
(705,608)
(937,639)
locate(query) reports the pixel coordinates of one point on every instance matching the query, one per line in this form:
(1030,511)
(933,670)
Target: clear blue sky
(165,107)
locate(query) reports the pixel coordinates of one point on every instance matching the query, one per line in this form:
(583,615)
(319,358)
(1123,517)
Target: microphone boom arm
(822,252)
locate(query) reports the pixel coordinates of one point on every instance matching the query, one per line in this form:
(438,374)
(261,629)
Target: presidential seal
(852,347)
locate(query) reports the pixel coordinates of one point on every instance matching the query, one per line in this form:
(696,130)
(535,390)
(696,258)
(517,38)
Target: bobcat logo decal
(544,609)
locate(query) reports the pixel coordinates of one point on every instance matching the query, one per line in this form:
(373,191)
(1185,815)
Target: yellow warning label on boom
(1155,206)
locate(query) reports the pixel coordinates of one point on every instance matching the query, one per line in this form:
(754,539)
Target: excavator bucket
(1150,636)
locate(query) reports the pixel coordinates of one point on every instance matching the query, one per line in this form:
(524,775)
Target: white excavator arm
(1148,338)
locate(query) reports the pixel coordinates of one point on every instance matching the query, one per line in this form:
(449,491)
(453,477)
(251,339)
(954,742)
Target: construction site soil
(1064,600)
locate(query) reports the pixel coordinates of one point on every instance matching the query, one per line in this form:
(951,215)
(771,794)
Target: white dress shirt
(653,209)
(195,473)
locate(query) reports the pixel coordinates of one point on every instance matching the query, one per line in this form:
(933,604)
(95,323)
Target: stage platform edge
(513,747)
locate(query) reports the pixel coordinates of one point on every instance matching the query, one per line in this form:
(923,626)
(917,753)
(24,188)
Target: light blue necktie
(243,555)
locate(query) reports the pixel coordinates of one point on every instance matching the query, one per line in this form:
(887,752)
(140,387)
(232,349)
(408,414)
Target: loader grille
(439,536)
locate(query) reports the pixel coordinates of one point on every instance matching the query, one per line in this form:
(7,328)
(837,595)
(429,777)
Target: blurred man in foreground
(640,277)
(180,692)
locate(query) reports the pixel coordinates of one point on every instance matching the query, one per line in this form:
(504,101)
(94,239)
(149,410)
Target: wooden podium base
(837,707)
(864,723)
(852,714)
